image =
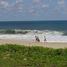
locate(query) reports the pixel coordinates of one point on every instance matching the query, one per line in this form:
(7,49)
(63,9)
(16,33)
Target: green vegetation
(22,56)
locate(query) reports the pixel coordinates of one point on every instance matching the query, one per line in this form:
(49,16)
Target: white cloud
(45,6)
(61,5)
(38,5)
(17,1)
(32,11)
(36,1)
(61,2)
(4,4)
(17,6)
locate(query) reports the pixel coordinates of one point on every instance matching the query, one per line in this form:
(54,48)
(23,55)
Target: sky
(28,10)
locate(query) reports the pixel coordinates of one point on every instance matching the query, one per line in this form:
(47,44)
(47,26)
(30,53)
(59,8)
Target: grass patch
(22,56)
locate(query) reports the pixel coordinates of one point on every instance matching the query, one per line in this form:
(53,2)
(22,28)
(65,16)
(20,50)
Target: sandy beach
(53,41)
(26,43)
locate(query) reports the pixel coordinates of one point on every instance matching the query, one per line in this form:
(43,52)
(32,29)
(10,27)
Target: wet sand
(27,43)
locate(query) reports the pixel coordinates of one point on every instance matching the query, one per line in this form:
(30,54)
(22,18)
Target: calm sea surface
(35,25)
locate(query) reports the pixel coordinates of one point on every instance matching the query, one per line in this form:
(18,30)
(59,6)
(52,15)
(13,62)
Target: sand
(53,41)
(27,43)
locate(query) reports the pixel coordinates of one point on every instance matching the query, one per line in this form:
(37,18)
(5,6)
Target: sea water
(55,31)
(35,25)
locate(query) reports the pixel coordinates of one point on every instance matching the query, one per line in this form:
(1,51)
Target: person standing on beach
(45,39)
(37,39)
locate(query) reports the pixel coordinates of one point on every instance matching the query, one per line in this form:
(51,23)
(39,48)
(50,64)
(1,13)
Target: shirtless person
(45,39)
(37,38)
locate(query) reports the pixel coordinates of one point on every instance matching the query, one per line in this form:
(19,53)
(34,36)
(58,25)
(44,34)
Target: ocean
(34,25)
(55,31)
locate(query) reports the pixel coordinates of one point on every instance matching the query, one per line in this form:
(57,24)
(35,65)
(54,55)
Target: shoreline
(54,45)
(31,37)
(52,41)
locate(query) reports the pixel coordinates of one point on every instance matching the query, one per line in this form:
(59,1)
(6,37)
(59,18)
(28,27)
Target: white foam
(29,37)
(51,36)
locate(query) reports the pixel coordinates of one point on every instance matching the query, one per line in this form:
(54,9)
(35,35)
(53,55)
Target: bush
(22,56)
